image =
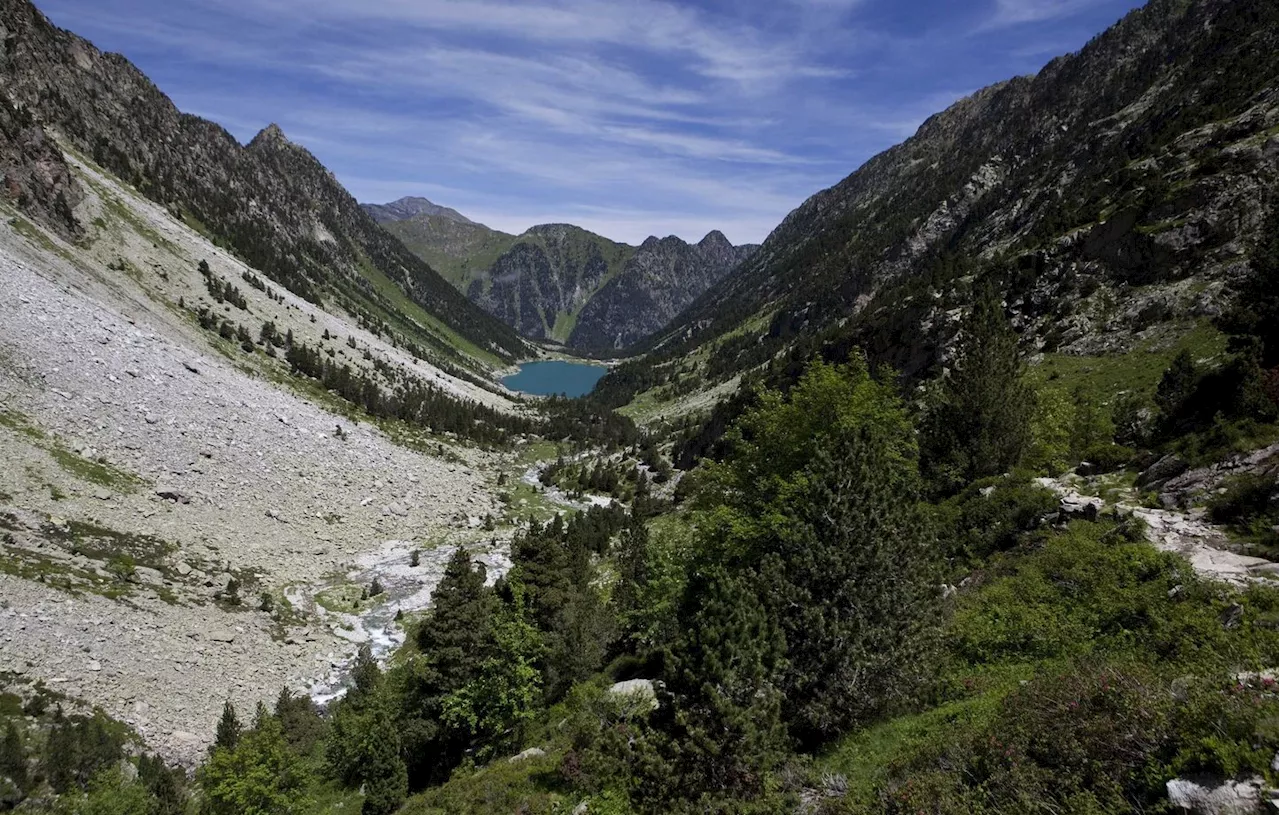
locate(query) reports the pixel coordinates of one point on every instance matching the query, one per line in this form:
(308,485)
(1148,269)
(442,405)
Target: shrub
(991,515)
(1245,497)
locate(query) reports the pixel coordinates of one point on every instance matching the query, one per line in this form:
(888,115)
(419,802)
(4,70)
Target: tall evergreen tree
(981,424)
(13,758)
(849,575)
(720,713)
(260,775)
(455,636)
(228,733)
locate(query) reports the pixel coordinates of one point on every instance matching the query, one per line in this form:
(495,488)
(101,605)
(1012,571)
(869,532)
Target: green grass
(1137,371)
(393,293)
(866,757)
(37,236)
(95,472)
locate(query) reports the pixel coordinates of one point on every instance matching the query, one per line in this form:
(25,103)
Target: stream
(405,588)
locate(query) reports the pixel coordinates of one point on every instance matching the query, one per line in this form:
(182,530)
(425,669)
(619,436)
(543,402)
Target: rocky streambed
(378,620)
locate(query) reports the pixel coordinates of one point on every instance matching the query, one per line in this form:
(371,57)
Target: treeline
(85,760)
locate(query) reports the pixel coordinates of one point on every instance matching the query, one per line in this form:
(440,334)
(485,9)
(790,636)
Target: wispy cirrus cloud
(650,116)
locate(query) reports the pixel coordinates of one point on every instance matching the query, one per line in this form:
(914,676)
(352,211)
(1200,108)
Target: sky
(636,118)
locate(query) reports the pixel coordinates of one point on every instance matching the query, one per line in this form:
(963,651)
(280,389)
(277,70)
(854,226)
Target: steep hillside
(461,251)
(1119,191)
(270,202)
(660,279)
(172,479)
(541,283)
(559,282)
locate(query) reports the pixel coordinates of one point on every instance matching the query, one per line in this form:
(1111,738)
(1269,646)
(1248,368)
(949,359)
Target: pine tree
(299,720)
(632,561)
(455,635)
(722,717)
(13,759)
(1176,387)
(259,775)
(228,733)
(849,575)
(981,425)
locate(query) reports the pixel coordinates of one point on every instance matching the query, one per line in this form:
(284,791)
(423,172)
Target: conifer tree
(722,717)
(228,733)
(455,636)
(981,424)
(849,575)
(13,759)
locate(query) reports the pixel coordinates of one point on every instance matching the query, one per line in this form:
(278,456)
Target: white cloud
(1008,13)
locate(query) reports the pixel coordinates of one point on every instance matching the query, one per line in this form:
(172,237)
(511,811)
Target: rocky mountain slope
(1120,190)
(657,282)
(461,250)
(559,282)
(151,462)
(270,202)
(542,282)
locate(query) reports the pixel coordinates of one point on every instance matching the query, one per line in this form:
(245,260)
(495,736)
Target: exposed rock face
(540,284)
(33,174)
(660,279)
(271,201)
(1121,186)
(560,282)
(408,207)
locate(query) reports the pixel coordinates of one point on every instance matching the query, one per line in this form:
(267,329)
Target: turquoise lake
(555,376)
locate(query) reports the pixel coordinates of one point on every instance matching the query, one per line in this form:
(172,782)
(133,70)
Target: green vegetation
(93,471)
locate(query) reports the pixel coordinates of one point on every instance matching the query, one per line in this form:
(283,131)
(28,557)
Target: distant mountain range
(560,282)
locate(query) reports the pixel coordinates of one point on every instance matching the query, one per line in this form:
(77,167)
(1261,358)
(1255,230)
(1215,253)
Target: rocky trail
(1179,525)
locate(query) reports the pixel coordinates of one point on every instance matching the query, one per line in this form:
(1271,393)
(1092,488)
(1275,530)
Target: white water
(405,588)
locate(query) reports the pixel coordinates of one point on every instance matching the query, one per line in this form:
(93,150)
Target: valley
(957,494)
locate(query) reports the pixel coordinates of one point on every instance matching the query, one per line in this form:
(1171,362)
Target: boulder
(640,692)
(1075,505)
(173,494)
(525,755)
(222,635)
(1159,473)
(1230,798)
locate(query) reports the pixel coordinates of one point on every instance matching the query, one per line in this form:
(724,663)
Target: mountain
(541,283)
(460,249)
(560,282)
(271,201)
(1121,189)
(661,278)
(403,209)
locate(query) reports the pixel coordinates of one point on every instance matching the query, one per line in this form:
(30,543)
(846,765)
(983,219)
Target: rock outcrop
(270,201)
(1123,186)
(661,278)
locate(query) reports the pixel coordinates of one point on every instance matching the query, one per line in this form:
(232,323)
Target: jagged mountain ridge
(271,201)
(663,276)
(560,282)
(1136,172)
(539,285)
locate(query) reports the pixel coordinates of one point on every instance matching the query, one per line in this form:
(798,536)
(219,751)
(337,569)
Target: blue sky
(627,118)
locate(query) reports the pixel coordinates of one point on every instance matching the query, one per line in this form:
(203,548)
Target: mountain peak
(715,238)
(271,134)
(413,206)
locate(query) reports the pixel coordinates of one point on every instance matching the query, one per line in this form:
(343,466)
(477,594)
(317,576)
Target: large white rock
(1231,798)
(638,691)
